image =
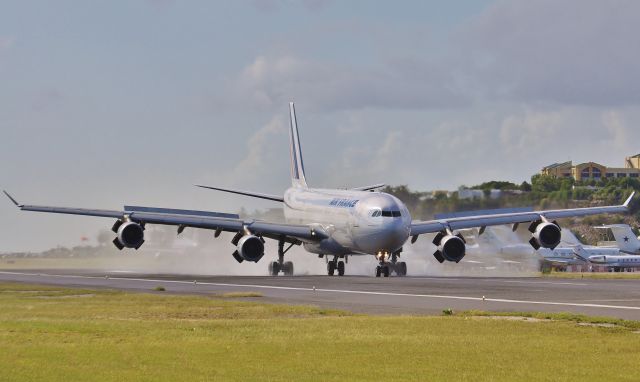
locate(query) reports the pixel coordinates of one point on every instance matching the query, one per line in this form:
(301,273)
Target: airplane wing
(452,224)
(191,218)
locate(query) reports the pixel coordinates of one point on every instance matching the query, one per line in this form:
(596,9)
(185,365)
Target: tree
(524,186)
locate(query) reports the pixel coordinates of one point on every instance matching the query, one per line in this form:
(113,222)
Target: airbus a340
(329,222)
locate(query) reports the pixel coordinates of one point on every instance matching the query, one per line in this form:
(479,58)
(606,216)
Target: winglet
(12,199)
(626,203)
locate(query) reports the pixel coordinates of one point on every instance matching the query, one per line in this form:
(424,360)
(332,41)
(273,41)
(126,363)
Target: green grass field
(57,334)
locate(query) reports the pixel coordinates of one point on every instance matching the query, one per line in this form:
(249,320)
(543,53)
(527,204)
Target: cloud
(259,159)
(276,5)
(400,84)
(6,42)
(555,51)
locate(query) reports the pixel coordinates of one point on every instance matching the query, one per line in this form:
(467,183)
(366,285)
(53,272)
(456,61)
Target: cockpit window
(389,214)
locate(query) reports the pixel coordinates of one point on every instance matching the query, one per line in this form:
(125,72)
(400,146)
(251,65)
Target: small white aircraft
(330,222)
(609,257)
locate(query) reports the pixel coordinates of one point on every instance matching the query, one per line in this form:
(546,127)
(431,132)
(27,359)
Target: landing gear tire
(341,268)
(402,268)
(331,268)
(385,271)
(378,271)
(274,268)
(287,268)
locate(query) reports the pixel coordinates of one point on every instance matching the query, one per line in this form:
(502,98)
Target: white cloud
(256,168)
(401,84)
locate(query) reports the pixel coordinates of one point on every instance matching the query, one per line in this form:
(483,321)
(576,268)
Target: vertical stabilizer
(297,165)
(626,239)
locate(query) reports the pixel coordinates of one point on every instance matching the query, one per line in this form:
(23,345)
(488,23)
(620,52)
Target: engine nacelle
(545,235)
(450,247)
(250,248)
(130,235)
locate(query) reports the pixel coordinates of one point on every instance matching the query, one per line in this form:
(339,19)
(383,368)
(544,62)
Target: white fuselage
(357,222)
(562,255)
(616,261)
(568,255)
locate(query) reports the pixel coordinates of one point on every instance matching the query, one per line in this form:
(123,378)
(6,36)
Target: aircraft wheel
(287,268)
(274,268)
(378,271)
(385,271)
(402,268)
(331,268)
(341,268)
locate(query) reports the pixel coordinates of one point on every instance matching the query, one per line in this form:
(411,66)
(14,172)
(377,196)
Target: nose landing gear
(386,267)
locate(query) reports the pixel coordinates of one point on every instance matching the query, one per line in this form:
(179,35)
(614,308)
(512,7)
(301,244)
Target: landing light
(382,255)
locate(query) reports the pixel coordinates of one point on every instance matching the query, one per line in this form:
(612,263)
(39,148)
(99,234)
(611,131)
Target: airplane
(625,238)
(329,222)
(608,257)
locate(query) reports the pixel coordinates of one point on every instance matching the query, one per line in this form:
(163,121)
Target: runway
(394,295)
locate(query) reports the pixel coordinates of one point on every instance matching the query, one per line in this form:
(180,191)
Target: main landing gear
(335,265)
(387,267)
(286,267)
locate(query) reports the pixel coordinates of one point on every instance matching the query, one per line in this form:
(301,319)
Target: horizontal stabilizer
(274,198)
(370,188)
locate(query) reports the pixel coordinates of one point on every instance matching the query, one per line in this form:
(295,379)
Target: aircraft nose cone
(395,233)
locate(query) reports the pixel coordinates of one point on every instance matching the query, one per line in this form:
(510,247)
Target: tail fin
(626,239)
(297,165)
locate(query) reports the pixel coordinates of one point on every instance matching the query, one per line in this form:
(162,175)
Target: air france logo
(348,203)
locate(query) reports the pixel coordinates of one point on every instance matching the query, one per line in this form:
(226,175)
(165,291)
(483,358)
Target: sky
(105,103)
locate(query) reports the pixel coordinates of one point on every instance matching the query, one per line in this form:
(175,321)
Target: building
(594,171)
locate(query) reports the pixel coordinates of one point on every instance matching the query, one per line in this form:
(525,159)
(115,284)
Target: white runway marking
(467,298)
(540,282)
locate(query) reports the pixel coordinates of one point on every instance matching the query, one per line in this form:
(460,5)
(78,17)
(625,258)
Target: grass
(241,294)
(593,275)
(59,334)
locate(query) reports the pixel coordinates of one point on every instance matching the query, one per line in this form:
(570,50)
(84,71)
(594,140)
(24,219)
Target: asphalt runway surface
(393,295)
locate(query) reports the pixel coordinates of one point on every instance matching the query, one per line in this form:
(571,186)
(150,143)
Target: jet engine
(544,234)
(130,235)
(450,247)
(250,248)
